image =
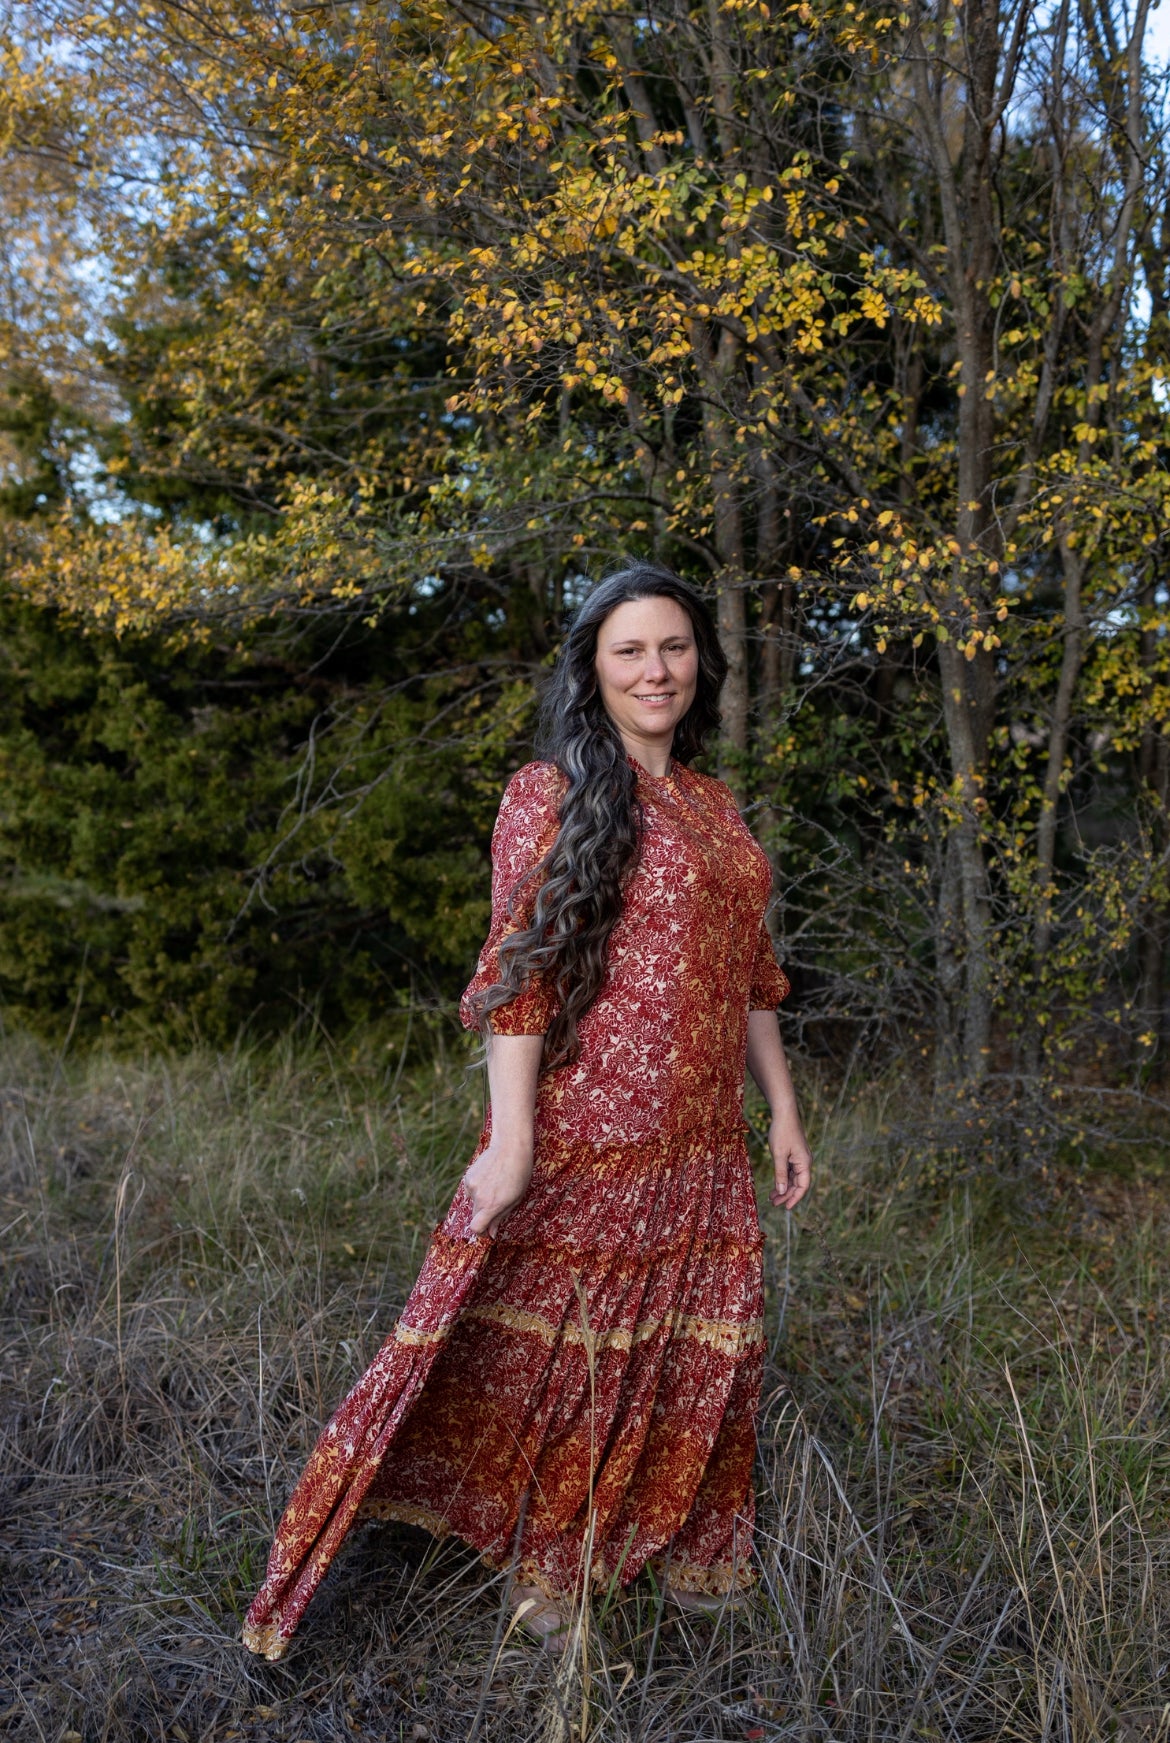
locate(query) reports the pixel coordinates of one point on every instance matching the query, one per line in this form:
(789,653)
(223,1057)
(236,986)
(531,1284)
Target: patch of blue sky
(1158,36)
(103,501)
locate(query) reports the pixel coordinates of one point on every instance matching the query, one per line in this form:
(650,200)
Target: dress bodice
(663,1044)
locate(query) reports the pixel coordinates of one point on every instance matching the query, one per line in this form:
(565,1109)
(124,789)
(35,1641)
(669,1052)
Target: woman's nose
(655,667)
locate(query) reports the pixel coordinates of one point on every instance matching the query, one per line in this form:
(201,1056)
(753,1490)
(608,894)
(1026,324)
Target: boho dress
(578,1395)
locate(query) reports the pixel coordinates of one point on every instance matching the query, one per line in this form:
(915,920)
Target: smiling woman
(573,1382)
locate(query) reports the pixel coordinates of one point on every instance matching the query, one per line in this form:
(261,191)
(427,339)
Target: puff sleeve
(525,829)
(769,983)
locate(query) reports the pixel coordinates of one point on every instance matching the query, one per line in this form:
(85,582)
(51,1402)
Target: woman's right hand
(495,1183)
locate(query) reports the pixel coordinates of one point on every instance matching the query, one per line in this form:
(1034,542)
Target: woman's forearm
(768,1065)
(513,1067)
(498,1178)
(786,1140)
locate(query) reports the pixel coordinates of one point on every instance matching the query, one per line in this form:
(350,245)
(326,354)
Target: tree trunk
(1058,735)
(966,200)
(966,864)
(1155,916)
(719,363)
(1046,827)
(768,532)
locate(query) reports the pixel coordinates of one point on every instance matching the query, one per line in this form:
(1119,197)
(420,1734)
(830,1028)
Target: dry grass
(964,1465)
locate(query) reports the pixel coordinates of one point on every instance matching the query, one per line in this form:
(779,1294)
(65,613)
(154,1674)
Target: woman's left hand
(792,1161)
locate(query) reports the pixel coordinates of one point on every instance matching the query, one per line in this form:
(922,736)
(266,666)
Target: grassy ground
(964,1470)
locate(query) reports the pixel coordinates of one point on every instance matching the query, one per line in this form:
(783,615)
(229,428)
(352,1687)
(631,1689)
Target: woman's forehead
(645,619)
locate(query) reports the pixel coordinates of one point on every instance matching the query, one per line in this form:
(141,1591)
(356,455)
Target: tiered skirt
(576,1397)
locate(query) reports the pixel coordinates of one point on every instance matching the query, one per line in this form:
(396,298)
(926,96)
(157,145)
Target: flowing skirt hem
(684,1576)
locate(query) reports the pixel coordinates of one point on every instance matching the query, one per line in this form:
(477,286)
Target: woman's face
(647,669)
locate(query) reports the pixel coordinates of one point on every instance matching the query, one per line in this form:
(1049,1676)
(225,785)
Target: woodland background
(341,346)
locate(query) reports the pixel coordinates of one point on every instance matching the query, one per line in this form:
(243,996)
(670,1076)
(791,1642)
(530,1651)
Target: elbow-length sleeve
(525,829)
(769,983)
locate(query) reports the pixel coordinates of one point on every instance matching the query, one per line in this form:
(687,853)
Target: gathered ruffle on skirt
(576,1396)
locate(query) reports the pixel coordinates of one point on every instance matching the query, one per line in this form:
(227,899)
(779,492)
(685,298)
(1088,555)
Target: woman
(573,1382)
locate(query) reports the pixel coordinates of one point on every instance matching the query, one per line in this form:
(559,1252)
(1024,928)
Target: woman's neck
(654,756)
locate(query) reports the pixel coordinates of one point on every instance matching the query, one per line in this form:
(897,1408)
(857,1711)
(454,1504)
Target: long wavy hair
(581,879)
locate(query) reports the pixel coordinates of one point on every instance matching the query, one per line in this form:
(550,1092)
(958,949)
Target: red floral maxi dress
(580,1392)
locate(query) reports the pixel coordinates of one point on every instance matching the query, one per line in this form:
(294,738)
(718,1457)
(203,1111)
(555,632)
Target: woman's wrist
(783,1111)
(513,1147)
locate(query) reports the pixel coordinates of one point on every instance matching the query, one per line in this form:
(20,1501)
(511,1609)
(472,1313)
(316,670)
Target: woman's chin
(655,722)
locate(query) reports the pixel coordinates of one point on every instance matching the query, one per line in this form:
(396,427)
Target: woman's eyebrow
(633,641)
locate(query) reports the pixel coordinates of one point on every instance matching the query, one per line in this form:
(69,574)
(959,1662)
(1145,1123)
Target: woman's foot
(541,1618)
